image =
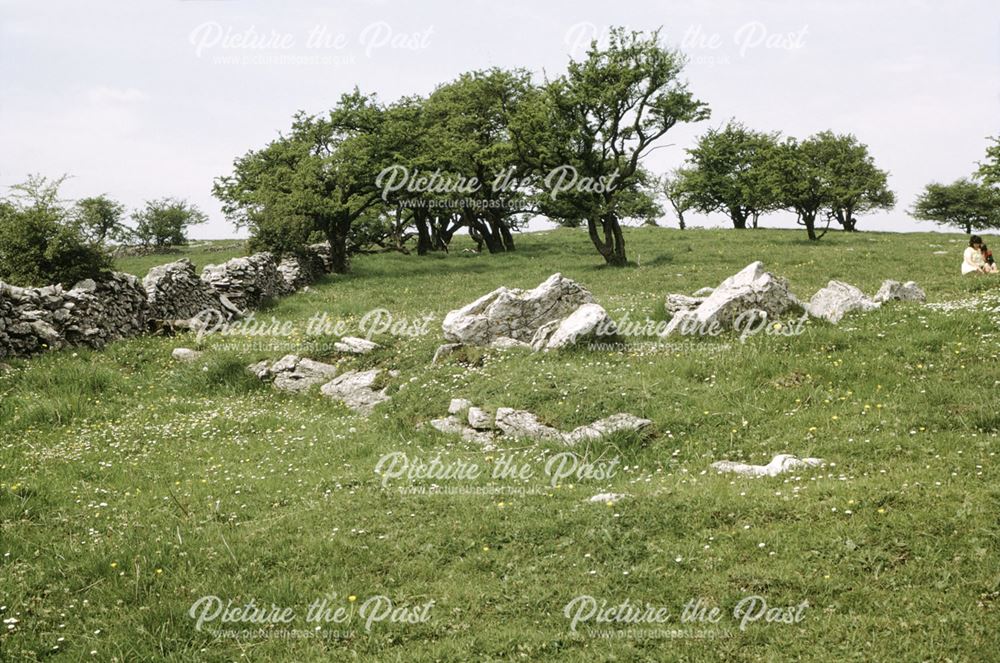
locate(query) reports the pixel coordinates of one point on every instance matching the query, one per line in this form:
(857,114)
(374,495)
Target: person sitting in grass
(991,264)
(973,261)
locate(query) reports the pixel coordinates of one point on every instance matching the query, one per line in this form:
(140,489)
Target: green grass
(200,252)
(133,485)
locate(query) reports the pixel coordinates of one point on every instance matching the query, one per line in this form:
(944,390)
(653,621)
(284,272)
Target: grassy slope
(142,484)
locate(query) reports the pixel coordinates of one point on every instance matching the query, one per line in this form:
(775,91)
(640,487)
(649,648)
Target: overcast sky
(148,99)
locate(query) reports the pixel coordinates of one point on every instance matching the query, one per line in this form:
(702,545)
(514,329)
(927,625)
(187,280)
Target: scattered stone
(458,405)
(751,289)
(905,292)
(480,419)
(519,423)
(837,299)
(293,373)
(779,464)
(514,313)
(607,426)
(608,498)
(355,389)
(676,303)
(355,345)
(185,354)
(587,322)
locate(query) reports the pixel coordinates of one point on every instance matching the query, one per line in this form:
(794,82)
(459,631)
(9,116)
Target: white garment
(972,261)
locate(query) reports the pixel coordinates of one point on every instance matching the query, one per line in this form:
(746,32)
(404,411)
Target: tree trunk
(505,236)
(612,245)
(739,219)
(338,251)
(809,221)
(423,233)
(755,217)
(680,219)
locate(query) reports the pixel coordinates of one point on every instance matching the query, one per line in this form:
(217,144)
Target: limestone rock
(607,498)
(443,351)
(749,293)
(514,313)
(675,303)
(587,322)
(505,343)
(354,345)
(458,405)
(480,419)
(837,299)
(894,290)
(519,423)
(294,373)
(779,464)
(185,354)
(607,426)
(356,390)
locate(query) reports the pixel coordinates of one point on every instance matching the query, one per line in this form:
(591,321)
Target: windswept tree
(858,185)
(101,219)
(964,204)
(728,172)
(989,170)
(587,134)
(674,188)
(801,176)
(164,222)
(317,178)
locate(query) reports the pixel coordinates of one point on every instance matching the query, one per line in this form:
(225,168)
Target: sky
(153,98)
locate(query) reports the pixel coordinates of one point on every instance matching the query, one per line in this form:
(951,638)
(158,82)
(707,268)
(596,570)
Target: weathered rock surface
(185,354)
(355,345)
(520,423)
(894,290)
(838,299)
(459,405)
(588,322)
(356,390)
(514,313)
(609,425)
(738,297)
(676,303)
(294,373)
(779,464)
(480,419)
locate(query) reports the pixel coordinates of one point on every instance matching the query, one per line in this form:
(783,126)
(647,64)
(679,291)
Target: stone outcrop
(896,291)
(749,293)
(357,390)
(838,299)
(778,465)
(246,282)
(588,322)
(513,313)
(294,373)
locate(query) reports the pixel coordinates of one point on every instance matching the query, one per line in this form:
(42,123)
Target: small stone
(608,498)
(458,405)
(779,464)
(354,345)
(185,354)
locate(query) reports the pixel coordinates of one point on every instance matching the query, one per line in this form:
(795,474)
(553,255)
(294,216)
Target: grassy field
(133,485)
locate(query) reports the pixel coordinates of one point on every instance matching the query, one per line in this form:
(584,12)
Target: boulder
(356,390)
(185,354)
(294,373)
(514,313)
(894,290)
(837,299)
(675,303)
(779,464)
(587,322)
(480,419)
(747,294)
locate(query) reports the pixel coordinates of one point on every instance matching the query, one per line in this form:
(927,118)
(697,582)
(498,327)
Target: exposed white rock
(514,313)
(355,345)
(748,293)
(894,290)
(837,299)
(779,464)
(185,354)
(520,423)
(607,426)
(355,389)
(587,322)
(458,405)
(480,419)
(676,303)
(293,373)
(608,498)
(506,343)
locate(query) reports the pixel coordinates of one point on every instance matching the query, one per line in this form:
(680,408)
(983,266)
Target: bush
(37,248)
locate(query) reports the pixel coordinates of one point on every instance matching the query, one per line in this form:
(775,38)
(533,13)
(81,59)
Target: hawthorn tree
(675,190)
(164,222)
(989,170)
(963,203)
(728,172)
(318,178)
(101,219)
(591,127)
(858,186)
